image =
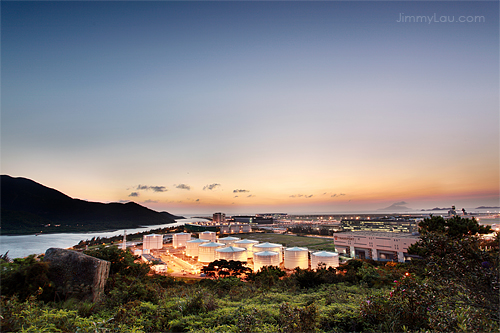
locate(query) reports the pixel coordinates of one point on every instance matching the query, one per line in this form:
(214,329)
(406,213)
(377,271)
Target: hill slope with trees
(29,207)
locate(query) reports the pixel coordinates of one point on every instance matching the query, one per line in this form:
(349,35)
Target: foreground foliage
(453,287)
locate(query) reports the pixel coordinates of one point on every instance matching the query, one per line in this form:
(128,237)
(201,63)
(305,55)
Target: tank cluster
(208,248)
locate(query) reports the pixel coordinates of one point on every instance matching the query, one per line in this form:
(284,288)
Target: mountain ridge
(29,207)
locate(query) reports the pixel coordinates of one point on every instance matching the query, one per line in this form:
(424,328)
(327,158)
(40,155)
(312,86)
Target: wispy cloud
(241,191)
(183,187)
(211,186)
(153,188)
(250,196)
(337,195)
(301,195)
(134,194)
(151,201)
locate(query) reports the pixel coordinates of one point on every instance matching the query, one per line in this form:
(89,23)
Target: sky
(253,107)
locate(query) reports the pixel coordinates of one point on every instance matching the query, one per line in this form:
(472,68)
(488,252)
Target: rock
(76,274)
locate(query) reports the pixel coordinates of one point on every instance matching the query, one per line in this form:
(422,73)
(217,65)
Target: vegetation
(453,288)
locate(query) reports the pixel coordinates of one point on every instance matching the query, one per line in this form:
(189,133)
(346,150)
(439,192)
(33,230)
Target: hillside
(29,207)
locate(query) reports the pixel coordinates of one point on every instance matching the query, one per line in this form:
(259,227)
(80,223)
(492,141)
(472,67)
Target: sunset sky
(250,107)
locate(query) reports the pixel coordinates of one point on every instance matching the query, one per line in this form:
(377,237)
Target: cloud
(133,194)
(235,196)
(337,195)
(250,196)
(123,201)
(197,200)
(301,195)
(211,186)
(183,187)
(154,188)
(151,201)
(159,188)
(240,191)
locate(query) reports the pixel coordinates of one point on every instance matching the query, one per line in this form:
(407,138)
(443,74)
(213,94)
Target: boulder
(76,274)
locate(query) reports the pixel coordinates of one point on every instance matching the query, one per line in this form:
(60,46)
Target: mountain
(29,207)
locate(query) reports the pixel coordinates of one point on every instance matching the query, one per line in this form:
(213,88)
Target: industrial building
(383,224)
(375,245)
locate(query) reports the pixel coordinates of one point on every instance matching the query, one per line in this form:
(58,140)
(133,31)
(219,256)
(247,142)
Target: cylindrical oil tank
(228,241)
(269,247)
(265,258)
(209,235)
(247,244)
(152,242)
(231,253)
(296,257)
(330,259)
(206,252)
(180,239)
(192,246)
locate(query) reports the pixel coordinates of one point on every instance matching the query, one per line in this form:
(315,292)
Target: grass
(312,243)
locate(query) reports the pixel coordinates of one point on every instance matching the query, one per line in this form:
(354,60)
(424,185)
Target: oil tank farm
(248,245)
(152,242)
(265,258)
(180,239)
(330,259)
(192,246)
(269,247)
(296,257)
(206,252)
(228,241)
(231,253)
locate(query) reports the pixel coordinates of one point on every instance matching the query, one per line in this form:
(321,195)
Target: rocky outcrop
(76,274)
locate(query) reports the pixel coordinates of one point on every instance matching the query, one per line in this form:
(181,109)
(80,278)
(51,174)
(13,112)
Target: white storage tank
(192,246)
(231,253)
(206,252)
(331,259)
(296,257)
(180,239)
(228,241)
(137,252)
(248,245)
(208,235)
(152,242)
(269,247)
(265,258)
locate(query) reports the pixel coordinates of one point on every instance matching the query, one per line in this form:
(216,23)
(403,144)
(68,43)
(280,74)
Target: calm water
(22,246)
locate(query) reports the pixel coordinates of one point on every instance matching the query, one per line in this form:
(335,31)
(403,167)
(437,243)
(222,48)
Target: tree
(454,263)
(223,268)
(122,262)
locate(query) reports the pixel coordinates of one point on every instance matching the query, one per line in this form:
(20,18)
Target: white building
(375,245)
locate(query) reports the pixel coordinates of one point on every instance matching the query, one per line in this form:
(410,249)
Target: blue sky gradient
(294,102)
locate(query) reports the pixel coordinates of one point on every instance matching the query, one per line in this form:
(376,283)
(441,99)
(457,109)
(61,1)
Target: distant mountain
(436,208)
(486,207)
(29,207)
(396,207)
